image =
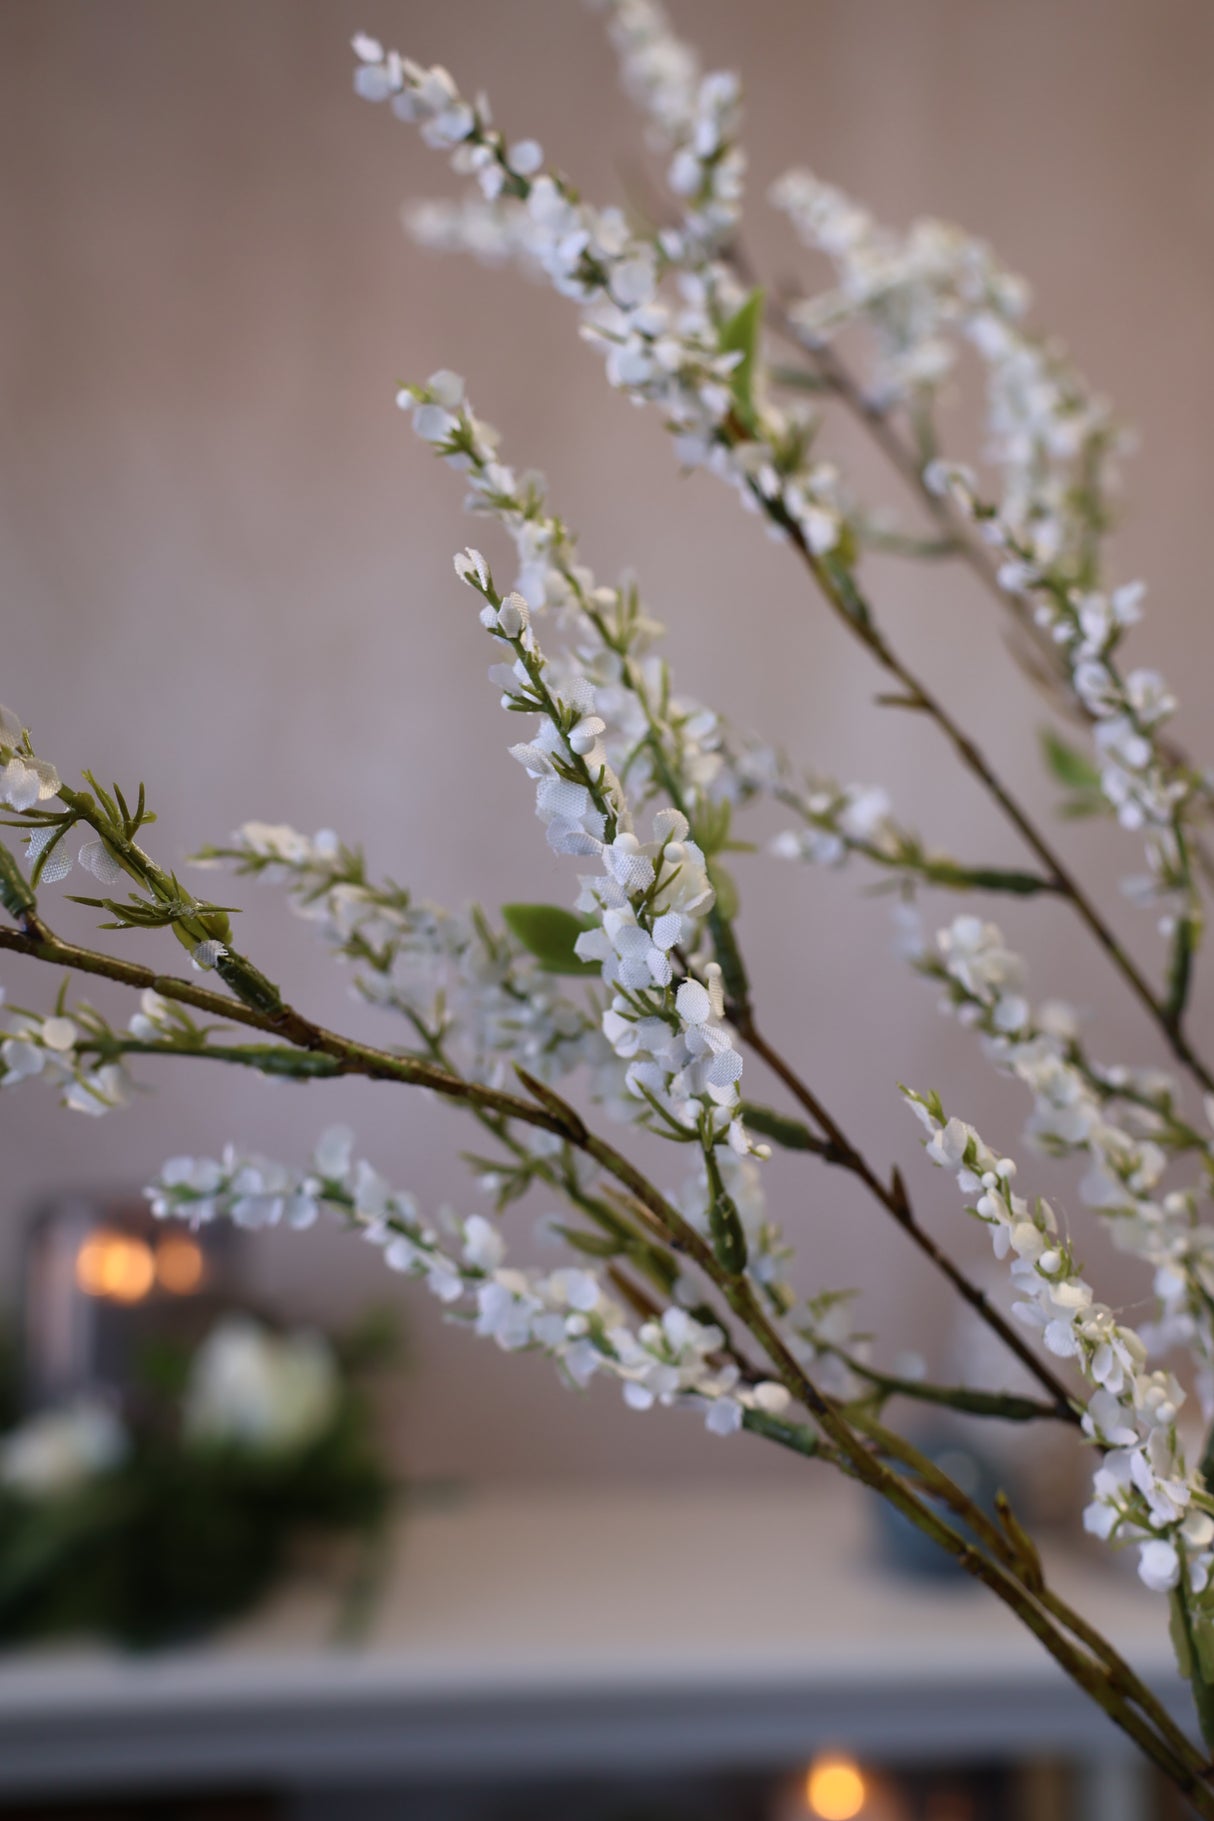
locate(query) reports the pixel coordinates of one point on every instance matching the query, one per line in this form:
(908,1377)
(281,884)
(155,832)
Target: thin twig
(894,1197)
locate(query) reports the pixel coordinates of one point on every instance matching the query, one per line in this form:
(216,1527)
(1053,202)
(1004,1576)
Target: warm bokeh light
(115,1265)
(835,1789)
(180,1266)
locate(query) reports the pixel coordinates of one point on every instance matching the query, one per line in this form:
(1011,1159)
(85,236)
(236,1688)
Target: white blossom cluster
(646,900)
(1145,783)
(1051,439)
(662,345)
(25,780)
(837,821)
(653,738)
(472,989)
(569,1314)
(829,1345)
(924,297)
(1143,1491)
(33,1047)
(1124,1122)
(694,119)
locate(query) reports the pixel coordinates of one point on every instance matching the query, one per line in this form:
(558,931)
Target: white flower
(21,1059)
(484,1247)
(97,858)
(23,783)
(58,1451)
(266,1393)
(331,1158)
(99,1091)
(724,1416)
(1159,1566)
(58,1033)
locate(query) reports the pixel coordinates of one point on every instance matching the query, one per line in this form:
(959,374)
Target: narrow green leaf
(1004,1406)
(1066,763)
(741,335)
(549,932)
(789,1133)
(594,1245)
(789,1435)
(1180,970)
(950,875)
(249,984)
(728,1237)
(1077,808)
(722,881)
(844,589)
(15,893)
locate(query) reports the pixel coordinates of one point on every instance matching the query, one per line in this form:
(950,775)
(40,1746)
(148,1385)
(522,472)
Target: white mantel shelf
(569,1632)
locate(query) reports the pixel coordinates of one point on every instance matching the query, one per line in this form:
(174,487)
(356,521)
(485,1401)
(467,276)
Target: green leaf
(843,586)
(1075,809)
(549,932)
(1004,1406)
(789,1435)
(15,893)
(594,1245)
(728,1236)
(1068,764)
(1180,970)
(721,879)
(791,1134)
(710,827)
(1192,1636)
(741,335)
(950,875)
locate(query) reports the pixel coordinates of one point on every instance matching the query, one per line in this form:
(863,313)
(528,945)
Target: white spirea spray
(570,1313)
(645,901)
(459,982)
(1143,1491)
(1126,1122)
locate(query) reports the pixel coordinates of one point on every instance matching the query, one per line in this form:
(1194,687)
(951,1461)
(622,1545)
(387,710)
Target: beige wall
(225,562)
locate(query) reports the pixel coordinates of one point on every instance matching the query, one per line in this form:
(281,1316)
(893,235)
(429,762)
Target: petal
(693,1002)
(96,858)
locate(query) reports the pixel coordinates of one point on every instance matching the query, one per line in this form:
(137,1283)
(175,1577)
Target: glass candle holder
(105,1285)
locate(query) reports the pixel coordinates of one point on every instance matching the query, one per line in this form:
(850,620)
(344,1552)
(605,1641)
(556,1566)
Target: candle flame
(116,1265)
(834,1789)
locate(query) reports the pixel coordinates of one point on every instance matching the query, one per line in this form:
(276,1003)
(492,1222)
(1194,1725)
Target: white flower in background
(267,1393)
(58,1451)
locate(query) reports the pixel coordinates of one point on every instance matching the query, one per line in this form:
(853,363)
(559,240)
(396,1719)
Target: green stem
(998,1404)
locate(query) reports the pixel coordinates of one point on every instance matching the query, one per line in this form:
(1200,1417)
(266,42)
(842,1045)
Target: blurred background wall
(225,561)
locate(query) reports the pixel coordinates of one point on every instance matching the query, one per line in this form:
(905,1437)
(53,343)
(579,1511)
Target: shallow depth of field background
(225,562)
